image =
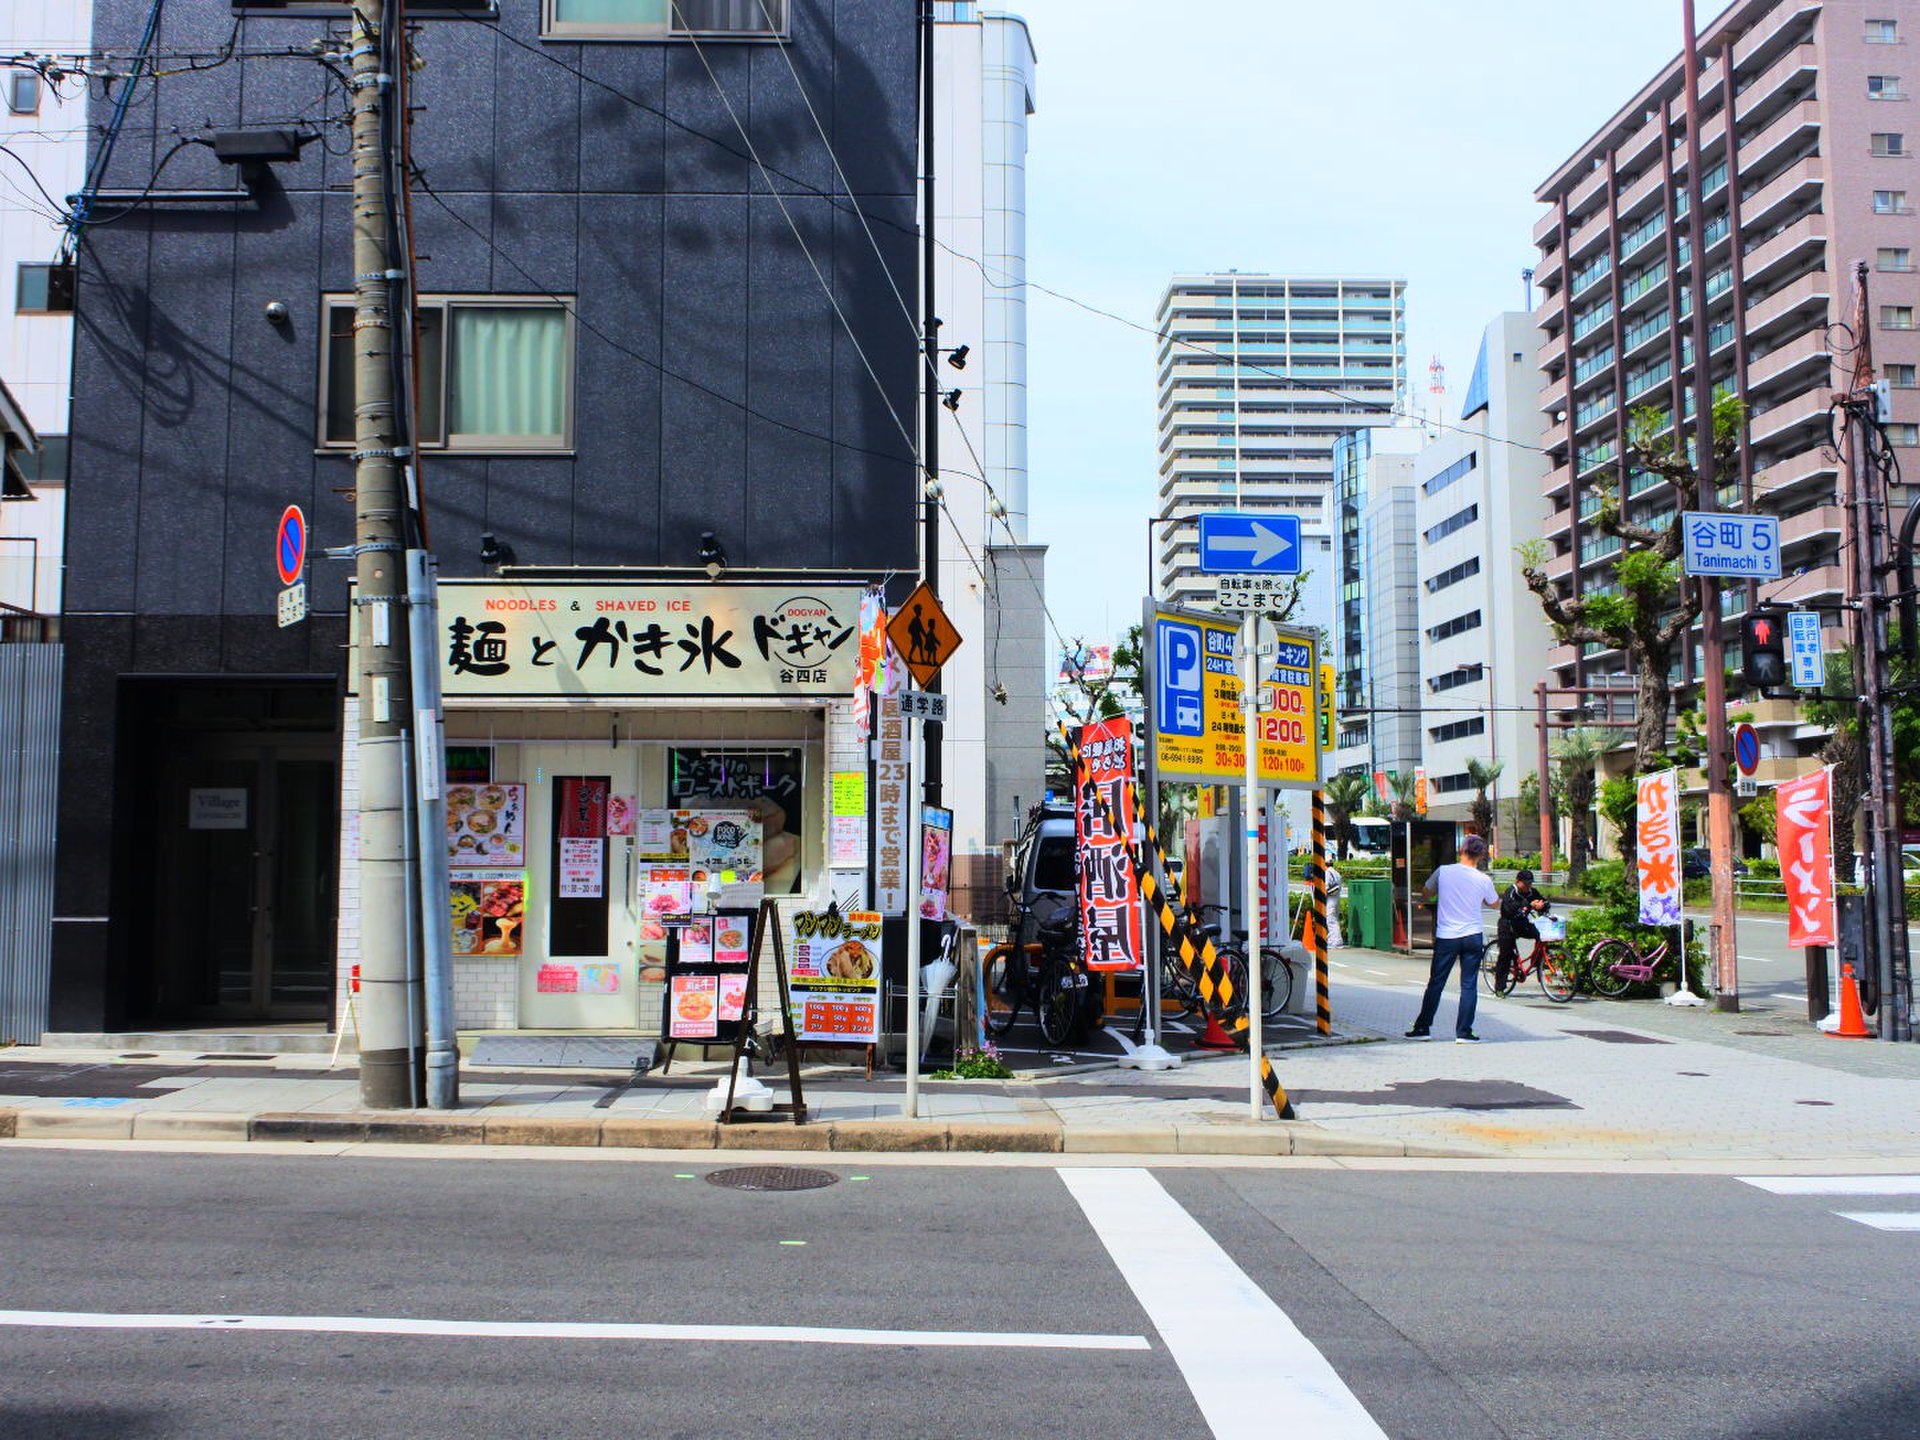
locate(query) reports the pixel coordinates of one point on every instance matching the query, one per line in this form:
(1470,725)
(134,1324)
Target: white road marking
(1251,1371)
(569,1330)
(1883,1219)
(1835,1184)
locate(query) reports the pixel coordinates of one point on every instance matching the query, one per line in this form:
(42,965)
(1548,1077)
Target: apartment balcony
(1805,412)
(1637,148)
(1555,482)
(1823,522)
(1547,270)
(1562,657)
(1553,396)
(1800,362)
(1787,250)
(1799,305)
(1554,437)
(1588,237)
(1799,63)
(1634,197)
(1807,586)
(1761,38)
(1793,125)
(1588,191)
(1793,186)
(1800,472)
(1547,226)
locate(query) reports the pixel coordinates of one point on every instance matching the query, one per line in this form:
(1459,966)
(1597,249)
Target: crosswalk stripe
(1835,1184)
(1252,1372)
(1897,1220)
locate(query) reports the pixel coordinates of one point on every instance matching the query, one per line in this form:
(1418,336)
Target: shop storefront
(621,758)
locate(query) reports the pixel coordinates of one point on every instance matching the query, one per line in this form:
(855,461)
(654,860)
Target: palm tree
(1482,774)
(1578,752)
(1345,795)
(1405,787)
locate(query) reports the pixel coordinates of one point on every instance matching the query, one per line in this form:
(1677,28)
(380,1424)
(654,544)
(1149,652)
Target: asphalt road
(1118,1302)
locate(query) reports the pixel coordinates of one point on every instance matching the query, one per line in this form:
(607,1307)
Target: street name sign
(1739,547)
(1806,655)
(1234,544)
(921,705)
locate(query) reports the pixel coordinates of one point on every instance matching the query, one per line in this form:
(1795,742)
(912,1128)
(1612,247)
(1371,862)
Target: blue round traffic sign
(1746,749)
(290,546)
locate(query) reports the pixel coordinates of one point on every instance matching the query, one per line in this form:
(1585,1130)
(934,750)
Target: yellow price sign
(1198,730)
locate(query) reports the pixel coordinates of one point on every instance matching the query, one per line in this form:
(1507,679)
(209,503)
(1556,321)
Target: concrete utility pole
(930,383)
(1713,657)
(390,999)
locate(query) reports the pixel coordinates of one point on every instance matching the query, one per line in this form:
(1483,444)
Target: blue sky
(1370,136)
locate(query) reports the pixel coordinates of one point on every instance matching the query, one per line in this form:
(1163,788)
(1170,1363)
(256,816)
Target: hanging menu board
(836,977)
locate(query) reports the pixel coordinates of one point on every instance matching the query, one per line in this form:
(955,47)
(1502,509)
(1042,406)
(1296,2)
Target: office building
(1806,145)
(1477,501)
(1376,638)
(1259,375)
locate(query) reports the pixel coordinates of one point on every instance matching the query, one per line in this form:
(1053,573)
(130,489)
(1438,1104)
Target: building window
(416,9)
(495,374)
(1883,87)
(1889,142)
(1903,434)
(1901,377)
(23,92)
(1457,521)
(1896,317)
(1459,625)
(1453,575)
(1456,677)
(1452,473)
(1459,729)
(1883,32)
(666,19)
(1896,259)
(43,289)
(1889,202)
(1450,784)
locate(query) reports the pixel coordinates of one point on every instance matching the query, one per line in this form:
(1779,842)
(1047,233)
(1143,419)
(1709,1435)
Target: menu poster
(582,869)
(847,825)
(768,785)
(692,1007)
(599,979)
(486,825)
(936,861)
(696,942)
(665,890)
(557,980)
(653,835)
(835,979)
(621,810)
(732,938)
(733,997)
(487,908)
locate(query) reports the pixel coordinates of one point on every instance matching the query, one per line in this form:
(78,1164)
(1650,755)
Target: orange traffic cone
(1215,1037)
(1853,1024)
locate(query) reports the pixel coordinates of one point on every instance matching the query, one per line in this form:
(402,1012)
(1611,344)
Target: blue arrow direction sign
(1233,544)
(1742,547)
(1806,654)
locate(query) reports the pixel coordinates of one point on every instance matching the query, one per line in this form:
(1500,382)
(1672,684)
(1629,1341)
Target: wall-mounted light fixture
(713,558)
(494,552)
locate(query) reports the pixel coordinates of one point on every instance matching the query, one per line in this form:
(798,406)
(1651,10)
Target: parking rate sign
(1198,732)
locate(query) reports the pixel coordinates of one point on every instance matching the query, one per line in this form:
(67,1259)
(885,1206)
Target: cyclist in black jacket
(1517,909)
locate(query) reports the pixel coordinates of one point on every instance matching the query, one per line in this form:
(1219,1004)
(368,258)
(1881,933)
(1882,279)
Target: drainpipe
(430,813)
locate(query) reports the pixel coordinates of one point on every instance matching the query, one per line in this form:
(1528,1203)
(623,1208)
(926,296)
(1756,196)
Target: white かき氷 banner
(1657,846)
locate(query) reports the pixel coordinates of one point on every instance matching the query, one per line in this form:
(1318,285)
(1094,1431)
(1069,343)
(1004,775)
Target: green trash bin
(1370,913)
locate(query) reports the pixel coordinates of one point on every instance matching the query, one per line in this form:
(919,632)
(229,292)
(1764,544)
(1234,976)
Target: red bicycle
(1548,960)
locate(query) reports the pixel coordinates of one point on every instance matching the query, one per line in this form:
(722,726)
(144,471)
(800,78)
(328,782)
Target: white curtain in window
(611,12)
(508,371)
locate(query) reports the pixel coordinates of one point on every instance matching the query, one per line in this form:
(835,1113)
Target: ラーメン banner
(1803,834)
(1657,842)
(1110,914)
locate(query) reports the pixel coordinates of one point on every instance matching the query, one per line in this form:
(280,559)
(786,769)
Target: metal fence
(29,762)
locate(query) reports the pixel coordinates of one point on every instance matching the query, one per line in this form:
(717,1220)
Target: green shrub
(1587,927)
(1764,869)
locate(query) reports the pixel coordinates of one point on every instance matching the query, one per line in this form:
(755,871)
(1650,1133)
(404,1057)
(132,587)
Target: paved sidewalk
(1626,1080)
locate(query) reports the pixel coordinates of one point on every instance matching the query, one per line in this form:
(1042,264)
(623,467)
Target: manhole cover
(772,1177)
(1618,1037)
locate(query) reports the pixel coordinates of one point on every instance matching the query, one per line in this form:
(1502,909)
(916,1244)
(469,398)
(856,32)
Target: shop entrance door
(244,908)
(579,966)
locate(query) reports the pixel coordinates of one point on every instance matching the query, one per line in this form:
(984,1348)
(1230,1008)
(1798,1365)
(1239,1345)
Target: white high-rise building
(1483,638)
(43,127)
(984,66)
(1258,376)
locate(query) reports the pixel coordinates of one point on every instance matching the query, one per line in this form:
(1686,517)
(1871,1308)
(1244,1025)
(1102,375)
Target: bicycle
(1616,963)
(1548,960)
(1045,974)
(1276,972)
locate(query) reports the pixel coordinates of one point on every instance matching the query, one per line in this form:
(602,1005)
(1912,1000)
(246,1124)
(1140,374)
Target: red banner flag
(1110,913)
(1803,833)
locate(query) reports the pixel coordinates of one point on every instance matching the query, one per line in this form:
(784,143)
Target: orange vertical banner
(1803,833)
(1656,828)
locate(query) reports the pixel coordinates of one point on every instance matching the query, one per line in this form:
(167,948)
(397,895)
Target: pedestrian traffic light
(1763,651)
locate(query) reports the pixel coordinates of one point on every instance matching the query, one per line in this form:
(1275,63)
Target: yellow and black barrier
(1200,960)
(1317,918)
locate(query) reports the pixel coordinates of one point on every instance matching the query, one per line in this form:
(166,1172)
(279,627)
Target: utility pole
(390,999)
(1713,658)
(930,383)
(1867,504)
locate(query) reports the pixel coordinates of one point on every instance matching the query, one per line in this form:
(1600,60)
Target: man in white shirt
(1460,891)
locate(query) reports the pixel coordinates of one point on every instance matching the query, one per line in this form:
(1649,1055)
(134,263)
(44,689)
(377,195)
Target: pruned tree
(1481,774)
(1647,611)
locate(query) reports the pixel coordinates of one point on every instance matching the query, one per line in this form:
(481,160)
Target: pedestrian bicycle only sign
(1194,703)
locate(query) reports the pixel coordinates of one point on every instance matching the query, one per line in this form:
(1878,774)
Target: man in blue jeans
(1459,892)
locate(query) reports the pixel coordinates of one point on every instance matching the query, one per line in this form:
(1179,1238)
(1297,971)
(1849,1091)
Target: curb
(1271,1138)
